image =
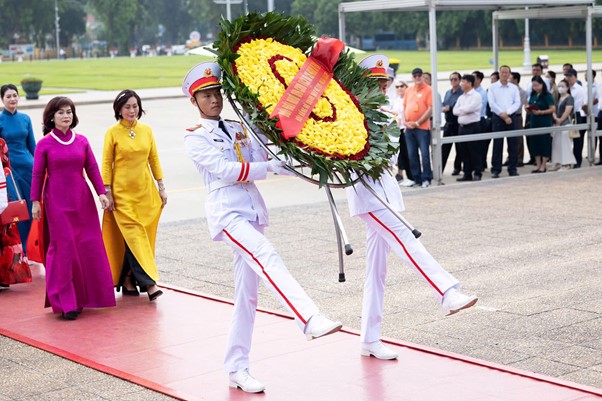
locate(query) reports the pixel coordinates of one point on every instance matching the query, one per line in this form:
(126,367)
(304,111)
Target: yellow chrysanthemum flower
(346,135)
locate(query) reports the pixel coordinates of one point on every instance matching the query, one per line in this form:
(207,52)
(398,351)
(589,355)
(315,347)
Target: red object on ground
(182,354)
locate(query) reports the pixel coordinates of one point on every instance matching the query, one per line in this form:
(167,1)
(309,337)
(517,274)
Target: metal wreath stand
(297,167)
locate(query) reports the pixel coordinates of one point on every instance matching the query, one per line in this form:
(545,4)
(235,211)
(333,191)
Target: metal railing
(437,142)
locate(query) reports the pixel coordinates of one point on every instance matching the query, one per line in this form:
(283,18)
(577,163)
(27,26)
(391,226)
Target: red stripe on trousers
(268,277)
(407,253)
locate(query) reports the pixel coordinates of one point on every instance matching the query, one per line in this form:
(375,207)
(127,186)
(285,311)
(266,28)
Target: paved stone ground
(528,246)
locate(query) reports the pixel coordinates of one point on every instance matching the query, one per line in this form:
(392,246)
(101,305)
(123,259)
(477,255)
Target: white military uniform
(385,233)
(237,215)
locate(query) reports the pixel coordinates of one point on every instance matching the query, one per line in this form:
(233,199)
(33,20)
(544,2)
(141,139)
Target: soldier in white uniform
(385,232)
(230,161)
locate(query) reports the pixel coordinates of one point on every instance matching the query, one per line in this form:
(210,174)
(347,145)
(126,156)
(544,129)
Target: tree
(72,14)
(118,18)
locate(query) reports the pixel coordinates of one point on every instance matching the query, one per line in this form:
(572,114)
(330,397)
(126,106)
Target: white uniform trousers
(255,258)
(384,233)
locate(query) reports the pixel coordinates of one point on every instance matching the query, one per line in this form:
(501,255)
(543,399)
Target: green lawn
(467,61)
(103,73)
(154,72)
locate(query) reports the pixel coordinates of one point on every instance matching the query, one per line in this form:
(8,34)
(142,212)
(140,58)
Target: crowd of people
(83,261)
(505,105)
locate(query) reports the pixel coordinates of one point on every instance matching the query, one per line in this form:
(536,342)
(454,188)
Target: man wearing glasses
(504,100)
(418,106)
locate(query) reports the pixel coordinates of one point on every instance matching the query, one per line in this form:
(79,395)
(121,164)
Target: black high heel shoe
(154,295)
(126,291)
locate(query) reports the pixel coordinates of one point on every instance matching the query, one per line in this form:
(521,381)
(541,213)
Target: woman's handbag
(16,211)
(573,134)
(36,244)
(14,268)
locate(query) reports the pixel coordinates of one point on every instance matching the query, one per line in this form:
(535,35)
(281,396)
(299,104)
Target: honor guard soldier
(230,161)
(385,232)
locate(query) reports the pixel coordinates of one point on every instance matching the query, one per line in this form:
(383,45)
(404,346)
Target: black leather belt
(470,124)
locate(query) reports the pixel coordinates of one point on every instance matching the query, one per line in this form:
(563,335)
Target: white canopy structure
(501,10)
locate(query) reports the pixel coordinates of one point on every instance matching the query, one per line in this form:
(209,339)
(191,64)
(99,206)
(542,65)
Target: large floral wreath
(260,54)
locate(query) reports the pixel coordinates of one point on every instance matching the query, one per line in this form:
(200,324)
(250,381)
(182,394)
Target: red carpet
(176,346)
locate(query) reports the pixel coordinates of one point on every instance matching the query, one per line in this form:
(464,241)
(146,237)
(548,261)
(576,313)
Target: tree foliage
(163,22)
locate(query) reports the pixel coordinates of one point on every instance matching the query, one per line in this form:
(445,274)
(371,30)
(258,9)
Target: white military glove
(277,166)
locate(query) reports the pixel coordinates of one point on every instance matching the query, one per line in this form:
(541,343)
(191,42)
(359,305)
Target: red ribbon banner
(305,90)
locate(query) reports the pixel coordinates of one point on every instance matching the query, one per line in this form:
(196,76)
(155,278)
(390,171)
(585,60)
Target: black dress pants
(451,129)
(130,264)
(471,151)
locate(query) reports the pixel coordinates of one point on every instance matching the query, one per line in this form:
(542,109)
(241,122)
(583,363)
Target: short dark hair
(455,73)
(468,78)
(505,66)
(495,74)
(593,73)
(54,105)
(537,65)
(567,65)
(552,74)
(516,76)
(6,88)
(479,75)
(122,98)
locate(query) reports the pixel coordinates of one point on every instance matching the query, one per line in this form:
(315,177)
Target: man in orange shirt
(418,106)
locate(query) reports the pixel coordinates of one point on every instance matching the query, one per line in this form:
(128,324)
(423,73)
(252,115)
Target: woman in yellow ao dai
(129,227)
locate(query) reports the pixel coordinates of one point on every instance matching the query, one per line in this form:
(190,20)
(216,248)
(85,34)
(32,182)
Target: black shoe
(531,162)
(598,164)
(513,174)
(495,175)
(476,178)
(126,291)
(399,178)
(465,178)
(154,295)
(71,315)
(505,164)
(133,293)
(456,172)
(520,164)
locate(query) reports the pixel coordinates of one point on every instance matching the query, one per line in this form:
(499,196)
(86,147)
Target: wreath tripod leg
(342,240)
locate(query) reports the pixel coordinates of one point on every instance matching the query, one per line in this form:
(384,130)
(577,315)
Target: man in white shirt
(478,79)
(580,96)
(537,71)
(504,100)
(468,110)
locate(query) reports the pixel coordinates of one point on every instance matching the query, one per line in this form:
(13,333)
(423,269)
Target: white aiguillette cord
(69,142)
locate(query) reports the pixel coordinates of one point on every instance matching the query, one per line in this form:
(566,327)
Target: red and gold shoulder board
(194,127)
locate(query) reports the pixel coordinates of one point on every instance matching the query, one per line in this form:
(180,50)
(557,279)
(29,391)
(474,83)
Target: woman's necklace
(132,134)
(68,142)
